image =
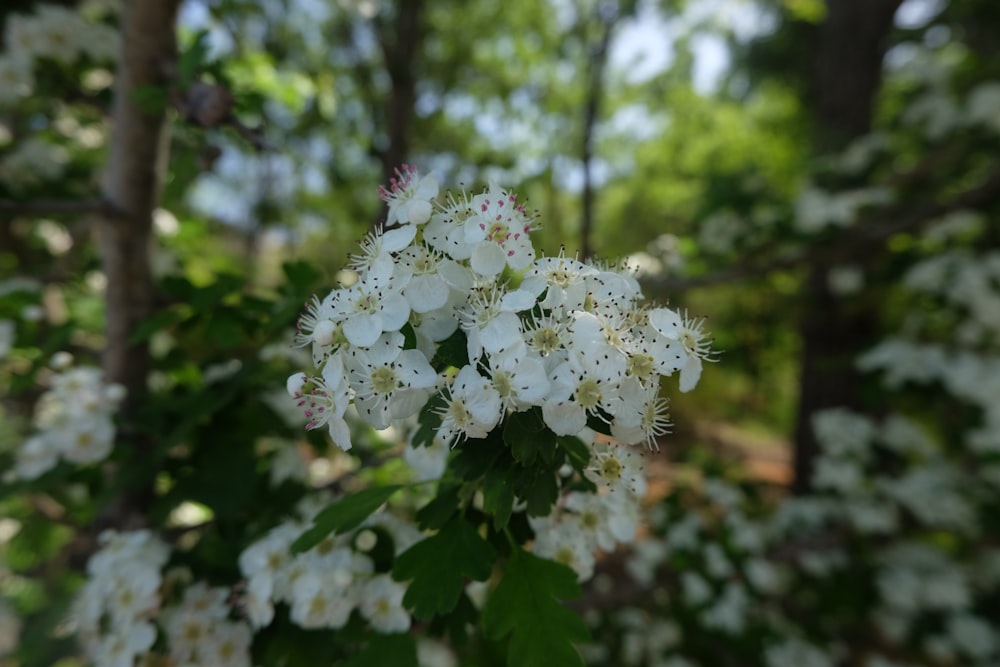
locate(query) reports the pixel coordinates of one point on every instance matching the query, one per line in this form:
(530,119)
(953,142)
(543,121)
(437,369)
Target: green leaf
(538,487)
(498,497)
(344,515)
(442,507)
(452,351)
(438,566)
(301,275)
(476,457)
(526,604)
(428,422)
(193,58)
(525,433)
(225,329)
(409,337)
(399,650)
(156,323)
(576,450)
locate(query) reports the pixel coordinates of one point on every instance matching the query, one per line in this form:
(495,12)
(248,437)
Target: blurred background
(818,180)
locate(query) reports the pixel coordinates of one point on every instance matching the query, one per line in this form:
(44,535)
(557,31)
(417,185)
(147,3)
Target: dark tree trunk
(847,70)
(132,186)
(400,42)
(606,16)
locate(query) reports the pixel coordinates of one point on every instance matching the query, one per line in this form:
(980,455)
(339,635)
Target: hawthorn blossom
(369,308)
(409,196)
(519,377)
(382,604)
(388,381)
(498,233)
(430,277)
(684,341)
(473,407)
(323,401)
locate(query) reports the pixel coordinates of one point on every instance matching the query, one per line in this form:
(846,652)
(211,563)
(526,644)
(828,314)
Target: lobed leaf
(438,566)
(526,605)
(344,515)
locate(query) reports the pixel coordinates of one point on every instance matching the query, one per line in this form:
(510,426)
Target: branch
(857,242)
(45,207)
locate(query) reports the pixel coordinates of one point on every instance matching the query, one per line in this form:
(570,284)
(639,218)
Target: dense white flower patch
(73,421)
(569,337)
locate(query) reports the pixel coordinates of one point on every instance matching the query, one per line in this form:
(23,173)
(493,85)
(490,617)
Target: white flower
(728,612)
(564,543)
(498,233)
(368,308)
(973,636)
(324,400)
(10,629)
(843,433)
(472,409)
(320,328)
(430,277)
(646,556)
(388,381)
(268,557)
(489,322)
(133,591)
(432,653)
(376,259)
(88,441)
(642,415)
(795,652)
(842,477)
(409,196)
(16,77)
(616,467)
(683,341)
(124,644)
(382,604)
(518,377)
(257,603)
(982,106)
(288,464)
(319,600)
(695,589)
(561,279)
(593,514)
(36,455)
(587,383)
(226,645)
(427,462)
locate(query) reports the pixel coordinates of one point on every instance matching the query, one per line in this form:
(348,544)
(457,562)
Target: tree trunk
(132,187)
(847,73)
(400,42)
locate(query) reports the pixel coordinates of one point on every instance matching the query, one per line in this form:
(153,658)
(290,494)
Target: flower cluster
(73,420)
(115,609)
(584,523)
(569,337)
(60,34)
(200,632)
(121,609)
(324,585)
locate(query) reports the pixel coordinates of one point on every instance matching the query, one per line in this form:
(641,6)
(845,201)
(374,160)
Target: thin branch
(859,241)
(44,207)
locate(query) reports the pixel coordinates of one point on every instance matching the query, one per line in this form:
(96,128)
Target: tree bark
(606,16)
(847,73)
(132,187)
(400,42)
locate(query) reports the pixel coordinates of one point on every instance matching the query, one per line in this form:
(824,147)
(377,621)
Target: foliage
(263,541)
